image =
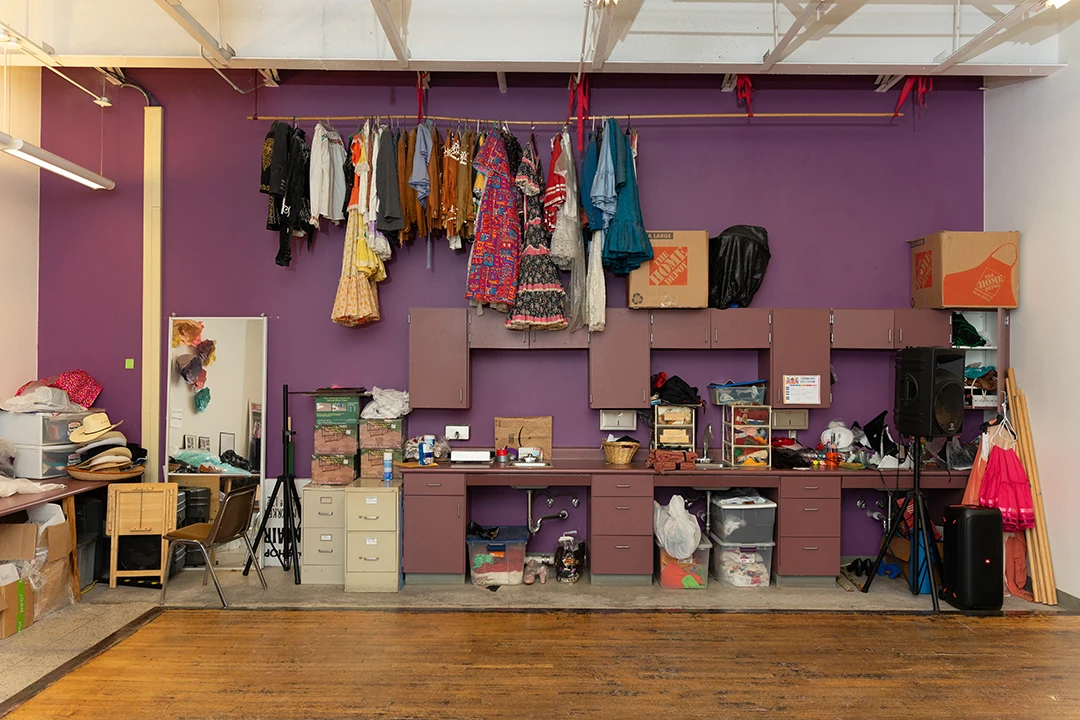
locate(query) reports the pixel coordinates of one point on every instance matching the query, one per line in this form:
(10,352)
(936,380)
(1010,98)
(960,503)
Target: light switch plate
(623,420)
(457,432)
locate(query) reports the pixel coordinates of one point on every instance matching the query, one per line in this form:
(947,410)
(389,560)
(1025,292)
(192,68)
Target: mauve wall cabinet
(890,329)
(800,346)
(434,524)
(923,328)
(439,358)
(733,329)
(619,364)
(489,332)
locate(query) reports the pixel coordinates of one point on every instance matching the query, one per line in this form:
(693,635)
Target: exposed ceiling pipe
(501,77)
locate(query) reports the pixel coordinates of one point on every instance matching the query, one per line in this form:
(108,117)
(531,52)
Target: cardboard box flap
(18,541)
(517,432)
(57,540)
(16,607)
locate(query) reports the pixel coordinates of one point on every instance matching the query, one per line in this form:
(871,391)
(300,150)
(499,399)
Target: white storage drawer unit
(39,428)
(41,463)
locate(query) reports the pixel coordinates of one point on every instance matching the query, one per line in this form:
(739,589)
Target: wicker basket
(620,453)
(105,476)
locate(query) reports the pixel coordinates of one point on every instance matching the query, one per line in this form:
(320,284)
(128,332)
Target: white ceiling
(678,36)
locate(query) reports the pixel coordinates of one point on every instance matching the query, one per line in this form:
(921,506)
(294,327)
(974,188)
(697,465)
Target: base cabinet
(434,526)
(621,543)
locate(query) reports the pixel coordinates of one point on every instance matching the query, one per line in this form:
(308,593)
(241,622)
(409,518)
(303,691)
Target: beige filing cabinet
(372,536)
(323,536)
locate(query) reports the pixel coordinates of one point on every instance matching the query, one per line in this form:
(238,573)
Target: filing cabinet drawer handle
(623,487)
(622,507)
(371,559)
(434,484)
(622,547)
(809,487)
(326,513)
(810,509)
(326,551)
(809,548)
(369,517)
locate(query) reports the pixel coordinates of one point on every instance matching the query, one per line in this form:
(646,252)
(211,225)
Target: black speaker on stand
(929,403)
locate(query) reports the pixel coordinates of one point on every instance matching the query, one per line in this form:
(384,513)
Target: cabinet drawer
(621,554)
(371,552)
(622,516)
(369,511)
(322,574)
(808,556)
(622,486)
(372,581)
(323,546)
(324,508)
(803,517)
(810,486)
(428,483)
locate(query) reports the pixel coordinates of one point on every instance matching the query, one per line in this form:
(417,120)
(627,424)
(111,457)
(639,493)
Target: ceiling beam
(604,45)
(779,52)
(501,77)
(976,45)
(41,53)
(187,21)
(885,82)
(394,35)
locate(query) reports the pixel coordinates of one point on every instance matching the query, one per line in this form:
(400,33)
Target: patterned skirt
(541,299)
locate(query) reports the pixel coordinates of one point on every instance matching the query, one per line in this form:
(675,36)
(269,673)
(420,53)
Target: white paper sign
(371,500)
(802,389)
(371,541)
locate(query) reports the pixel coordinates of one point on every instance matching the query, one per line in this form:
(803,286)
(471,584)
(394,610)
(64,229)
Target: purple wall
(839,199)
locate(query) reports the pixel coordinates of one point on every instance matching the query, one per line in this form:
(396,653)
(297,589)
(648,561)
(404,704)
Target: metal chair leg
(206,571)
(165,575)
(206,556)
(254,560)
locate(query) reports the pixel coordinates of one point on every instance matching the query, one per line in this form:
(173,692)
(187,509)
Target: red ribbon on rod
(744,93)
(579,97)
(922,85)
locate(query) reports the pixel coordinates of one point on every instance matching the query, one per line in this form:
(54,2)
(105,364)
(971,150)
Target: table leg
(68,506)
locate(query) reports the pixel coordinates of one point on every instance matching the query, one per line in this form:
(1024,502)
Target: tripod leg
(897,519)
(933,561)
(292,536)
(262,525)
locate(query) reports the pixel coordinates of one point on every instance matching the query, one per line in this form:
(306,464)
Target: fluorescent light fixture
(53,163)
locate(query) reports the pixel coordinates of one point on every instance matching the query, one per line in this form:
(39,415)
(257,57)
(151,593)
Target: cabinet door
(679,329)
(800,346)
(923,328)
(434,534)
(740,328)
(619,361)
(558,339)
(438,358)
(489,332)
(863,329)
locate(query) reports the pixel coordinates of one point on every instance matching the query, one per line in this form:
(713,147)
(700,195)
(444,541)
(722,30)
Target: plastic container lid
(720,502)
(741,546)
(507,534)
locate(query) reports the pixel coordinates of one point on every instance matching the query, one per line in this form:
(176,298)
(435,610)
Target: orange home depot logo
(669,266)
(988,284)
(924,270)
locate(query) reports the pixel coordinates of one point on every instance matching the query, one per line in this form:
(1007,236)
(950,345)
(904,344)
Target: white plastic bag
(386,404)
(677,530)
(41,399)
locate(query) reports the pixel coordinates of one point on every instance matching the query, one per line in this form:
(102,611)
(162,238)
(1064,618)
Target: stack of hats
(103,453)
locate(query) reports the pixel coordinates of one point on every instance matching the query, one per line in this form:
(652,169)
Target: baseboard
(1068,602)
(434,579)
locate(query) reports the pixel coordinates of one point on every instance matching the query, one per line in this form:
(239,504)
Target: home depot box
(965,270)
(678,274)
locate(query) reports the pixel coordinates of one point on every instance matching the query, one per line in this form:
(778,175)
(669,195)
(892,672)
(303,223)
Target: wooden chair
(231,523)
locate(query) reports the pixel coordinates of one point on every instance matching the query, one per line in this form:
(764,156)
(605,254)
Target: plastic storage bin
(499,561)
(39,428)
(747,393)
(735,522)
(689,574)
(741,564)
(41,463)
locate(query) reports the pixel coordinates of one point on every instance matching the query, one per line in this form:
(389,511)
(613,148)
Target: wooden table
(66,496)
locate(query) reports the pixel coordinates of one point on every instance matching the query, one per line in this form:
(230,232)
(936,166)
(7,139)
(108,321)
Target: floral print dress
(493,263)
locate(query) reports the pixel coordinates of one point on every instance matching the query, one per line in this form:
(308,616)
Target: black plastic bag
(738,259)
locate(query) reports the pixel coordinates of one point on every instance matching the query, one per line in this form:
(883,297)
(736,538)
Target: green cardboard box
(337,410)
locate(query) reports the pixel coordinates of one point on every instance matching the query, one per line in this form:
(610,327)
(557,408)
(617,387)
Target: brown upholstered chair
(231,523)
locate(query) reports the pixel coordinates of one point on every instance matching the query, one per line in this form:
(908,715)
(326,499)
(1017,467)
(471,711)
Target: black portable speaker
(929,392)
(974,560)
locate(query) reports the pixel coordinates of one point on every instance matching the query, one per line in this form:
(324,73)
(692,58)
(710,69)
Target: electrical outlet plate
(621,420)
(457,432)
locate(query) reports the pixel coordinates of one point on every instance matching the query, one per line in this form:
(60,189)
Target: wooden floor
(337,664)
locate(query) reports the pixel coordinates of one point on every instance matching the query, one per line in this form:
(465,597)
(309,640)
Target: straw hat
(92,427)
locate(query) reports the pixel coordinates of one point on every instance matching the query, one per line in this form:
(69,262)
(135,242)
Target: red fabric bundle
(80,387)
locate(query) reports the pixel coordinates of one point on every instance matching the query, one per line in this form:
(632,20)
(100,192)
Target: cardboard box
(55,590)
(965,270)
(333,469)
(371,463)
(335,440)
(16,607)
(678,274)
(382,434)
(337,410)
(519,432)
(19,541)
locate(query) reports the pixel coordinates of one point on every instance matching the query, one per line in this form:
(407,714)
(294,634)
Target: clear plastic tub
(499,561)
(741,564)
(39,428)
(737,522)
(752,393)
(689,574)
(41,463)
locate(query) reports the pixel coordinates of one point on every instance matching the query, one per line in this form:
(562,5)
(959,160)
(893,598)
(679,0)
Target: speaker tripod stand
(923,547)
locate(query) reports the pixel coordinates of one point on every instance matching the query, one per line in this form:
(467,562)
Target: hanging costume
(493,263)
(285,177)
(541,300)
(626,245)
(595,283)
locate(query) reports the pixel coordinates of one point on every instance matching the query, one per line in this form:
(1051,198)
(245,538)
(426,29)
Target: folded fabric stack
(667,460)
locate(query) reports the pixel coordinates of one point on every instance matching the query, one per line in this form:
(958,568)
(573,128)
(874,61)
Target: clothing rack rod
(670,116)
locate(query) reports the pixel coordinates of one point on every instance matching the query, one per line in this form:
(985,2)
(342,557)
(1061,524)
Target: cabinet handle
(810,509)
(369,517)
(645,394)
(326,513)
(622,507)
(461,395)
(622,486)
(901,334)
(459,509)
(715,336)
(371,559)
(622,547)
(810,487)
(890,336)
(434,484)
(810,548)
(706,336)
(325,551)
